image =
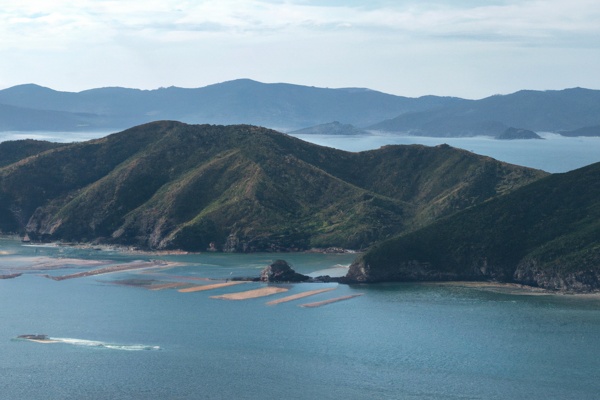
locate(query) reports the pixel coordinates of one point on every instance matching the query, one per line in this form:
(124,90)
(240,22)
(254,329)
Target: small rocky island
(36,338)
(516,133)
(281,272)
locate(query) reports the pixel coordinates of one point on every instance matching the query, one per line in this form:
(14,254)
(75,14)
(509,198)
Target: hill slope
(546,234)
(13,151)
(243,188)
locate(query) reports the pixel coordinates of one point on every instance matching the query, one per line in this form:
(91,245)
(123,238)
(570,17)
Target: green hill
(545,234)
(170,185)
(13,151)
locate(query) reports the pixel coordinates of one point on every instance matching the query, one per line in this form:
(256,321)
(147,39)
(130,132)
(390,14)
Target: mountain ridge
(289,107)
(243,188)
(279,106)
(538,111)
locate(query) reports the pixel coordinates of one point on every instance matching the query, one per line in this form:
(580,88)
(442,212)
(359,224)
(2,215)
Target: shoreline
(49,263)
(132,249)
(512,288)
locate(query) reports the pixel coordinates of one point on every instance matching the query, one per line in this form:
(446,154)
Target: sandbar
(111,269)
(335,300)
(251,294)
(162,286)
(209,287)
(299,296)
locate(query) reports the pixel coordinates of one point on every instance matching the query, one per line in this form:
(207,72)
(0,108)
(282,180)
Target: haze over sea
(554,154)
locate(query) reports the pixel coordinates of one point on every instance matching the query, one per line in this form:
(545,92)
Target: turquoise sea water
(396,341)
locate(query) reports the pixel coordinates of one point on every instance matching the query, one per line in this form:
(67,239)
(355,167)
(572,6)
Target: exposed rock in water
(10,276)
(280,271)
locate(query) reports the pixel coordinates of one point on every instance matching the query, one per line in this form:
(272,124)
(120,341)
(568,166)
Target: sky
(464,48)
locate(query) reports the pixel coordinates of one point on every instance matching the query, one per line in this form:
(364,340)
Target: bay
(395,341)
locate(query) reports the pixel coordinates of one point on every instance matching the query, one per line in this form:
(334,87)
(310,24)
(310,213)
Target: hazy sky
(465,48)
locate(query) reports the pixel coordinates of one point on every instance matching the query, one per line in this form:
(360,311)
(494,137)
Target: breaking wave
(98,344)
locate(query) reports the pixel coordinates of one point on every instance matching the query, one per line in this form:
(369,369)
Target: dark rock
(280,271)
(10,276)
(33,337)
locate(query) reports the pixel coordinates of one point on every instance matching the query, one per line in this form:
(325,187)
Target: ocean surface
(138,334)
(555,153)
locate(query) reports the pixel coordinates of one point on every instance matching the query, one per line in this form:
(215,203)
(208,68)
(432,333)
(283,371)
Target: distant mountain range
(169,185)
(287,107)
(549,111)
(279,106)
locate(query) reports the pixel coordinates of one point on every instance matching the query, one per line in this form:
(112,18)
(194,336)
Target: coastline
(513,289)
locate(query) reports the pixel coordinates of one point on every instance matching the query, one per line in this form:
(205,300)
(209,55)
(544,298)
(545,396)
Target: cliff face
(546,234)
(584,279)
(169,185)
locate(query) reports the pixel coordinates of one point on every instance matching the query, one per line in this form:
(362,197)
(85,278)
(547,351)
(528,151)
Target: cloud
(151,43)
(65,21)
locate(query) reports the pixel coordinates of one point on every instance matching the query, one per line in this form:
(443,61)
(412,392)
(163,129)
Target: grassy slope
(546,234)
(172,185)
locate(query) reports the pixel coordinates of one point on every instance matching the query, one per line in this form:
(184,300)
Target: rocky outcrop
(407,271)
(528,273)
(532,274)
(280,271)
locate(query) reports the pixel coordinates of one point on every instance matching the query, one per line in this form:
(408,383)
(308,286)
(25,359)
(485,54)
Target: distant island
(332,128)
(585,131)
(514,133)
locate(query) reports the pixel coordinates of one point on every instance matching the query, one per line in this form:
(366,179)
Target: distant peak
(28,87)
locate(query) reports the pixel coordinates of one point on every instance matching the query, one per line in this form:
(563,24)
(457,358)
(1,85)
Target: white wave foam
(98,344)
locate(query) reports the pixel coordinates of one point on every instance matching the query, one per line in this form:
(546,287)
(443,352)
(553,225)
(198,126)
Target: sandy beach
(299,296)
(251,294)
